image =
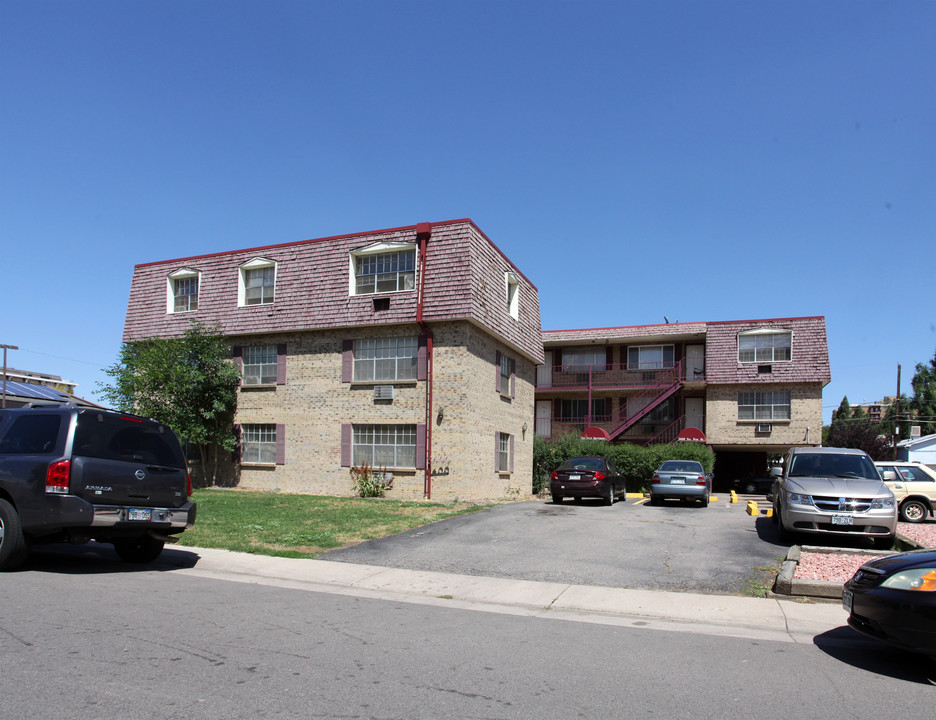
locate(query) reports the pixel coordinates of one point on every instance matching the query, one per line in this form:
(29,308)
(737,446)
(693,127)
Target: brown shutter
(281,364)
(347,360)
(346,445)
(280,444)
(422,360)
(421,447)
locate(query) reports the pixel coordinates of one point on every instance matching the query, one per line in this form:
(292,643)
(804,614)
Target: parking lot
(630,544)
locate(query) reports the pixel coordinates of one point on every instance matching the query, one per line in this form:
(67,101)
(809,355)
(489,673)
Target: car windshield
(681,466)
(583,464)
(833,465)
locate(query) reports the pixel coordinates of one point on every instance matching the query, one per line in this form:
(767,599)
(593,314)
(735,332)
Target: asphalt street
(628,545)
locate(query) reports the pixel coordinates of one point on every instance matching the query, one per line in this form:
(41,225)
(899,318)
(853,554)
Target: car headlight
(799,499)
(922,579)
(882,503)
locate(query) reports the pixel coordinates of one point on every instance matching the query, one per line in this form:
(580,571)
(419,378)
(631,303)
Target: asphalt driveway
(628,545)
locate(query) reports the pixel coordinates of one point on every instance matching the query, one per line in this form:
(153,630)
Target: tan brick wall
(314,403)
(722,426)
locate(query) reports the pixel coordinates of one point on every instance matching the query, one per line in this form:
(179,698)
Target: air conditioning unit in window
(763,427)
(383,392)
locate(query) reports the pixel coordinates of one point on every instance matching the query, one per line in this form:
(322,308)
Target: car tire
(883,543)
(784,534)
(13,548)
(705,501)
(557,499)
(141,549)
(610,499)
(913,511)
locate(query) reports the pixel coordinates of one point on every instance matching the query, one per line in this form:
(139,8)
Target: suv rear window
(32,434)
(113,437)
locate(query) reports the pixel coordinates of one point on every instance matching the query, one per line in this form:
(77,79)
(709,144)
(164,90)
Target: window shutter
(280,444)
(347,361)
(422,360)
(238,353)
(281,364)
(497,357)
(511,453)
(346,445)
(421,447)
(513,378)
(496,451)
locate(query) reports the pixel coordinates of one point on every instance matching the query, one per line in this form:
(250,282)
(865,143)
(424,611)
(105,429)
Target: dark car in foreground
(893,599)
(682,479)
(586,477)
(71,474)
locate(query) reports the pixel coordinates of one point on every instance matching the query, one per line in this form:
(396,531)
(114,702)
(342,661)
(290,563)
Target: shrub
(369,483)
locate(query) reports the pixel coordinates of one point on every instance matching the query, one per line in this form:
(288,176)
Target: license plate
(139,514)
(677,481)
(843,520)
(847,599)
(575,477)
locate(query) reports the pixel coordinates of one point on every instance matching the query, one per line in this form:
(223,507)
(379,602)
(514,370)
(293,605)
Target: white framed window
(513,295)
(383,268)
(650,357)
(503,452)
(257,282)
(769,405)
(765,346)
(260,364)
(385,359)
(503,377)
(258,443)
(182,291)
(384,445)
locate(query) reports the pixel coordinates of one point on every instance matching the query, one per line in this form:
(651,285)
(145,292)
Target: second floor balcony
(618,376)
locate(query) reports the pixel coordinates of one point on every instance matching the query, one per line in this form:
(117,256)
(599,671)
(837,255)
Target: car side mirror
(776,471)
(889,476)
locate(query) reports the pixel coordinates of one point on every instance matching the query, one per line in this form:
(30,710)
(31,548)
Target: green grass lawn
(304,525)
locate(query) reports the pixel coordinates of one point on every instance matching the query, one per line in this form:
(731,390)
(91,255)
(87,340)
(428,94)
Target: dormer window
(383,268)
(182,295)
(257,283)
(513,295)
(765,346)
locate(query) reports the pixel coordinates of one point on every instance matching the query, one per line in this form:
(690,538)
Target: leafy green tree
(923,403)
(890,419)
(862,435)
(844,411)
(860,414)
(188,383)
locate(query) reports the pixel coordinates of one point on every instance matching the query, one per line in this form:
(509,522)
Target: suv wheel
(143,549)
(913,511)
(13,549)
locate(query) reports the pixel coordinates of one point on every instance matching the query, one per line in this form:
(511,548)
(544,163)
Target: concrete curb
(786,584)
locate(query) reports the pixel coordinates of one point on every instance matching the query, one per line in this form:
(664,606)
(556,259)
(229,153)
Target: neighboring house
(751,388)
(412,349)
(919,449)
(29,377)
(17,394)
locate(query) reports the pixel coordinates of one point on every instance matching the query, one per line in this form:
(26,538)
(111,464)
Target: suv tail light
(57,477)
(554,476)
(188,485)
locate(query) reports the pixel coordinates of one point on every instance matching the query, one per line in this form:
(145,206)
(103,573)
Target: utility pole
(5,348)
(897,415)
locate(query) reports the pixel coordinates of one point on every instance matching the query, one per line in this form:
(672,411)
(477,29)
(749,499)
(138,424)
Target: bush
(635,462)
(367,483)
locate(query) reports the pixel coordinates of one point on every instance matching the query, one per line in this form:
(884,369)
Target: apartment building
(411,349)
(747,388)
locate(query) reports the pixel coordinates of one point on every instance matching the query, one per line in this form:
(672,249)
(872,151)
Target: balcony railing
(615,375)
(647,432)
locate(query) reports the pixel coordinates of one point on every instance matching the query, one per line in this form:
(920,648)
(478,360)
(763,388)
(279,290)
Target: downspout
(423,233)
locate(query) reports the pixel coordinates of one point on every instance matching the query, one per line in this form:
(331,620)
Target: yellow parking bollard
(734,497)
(752,508)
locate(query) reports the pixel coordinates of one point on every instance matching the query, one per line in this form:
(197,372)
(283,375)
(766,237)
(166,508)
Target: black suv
(71,474)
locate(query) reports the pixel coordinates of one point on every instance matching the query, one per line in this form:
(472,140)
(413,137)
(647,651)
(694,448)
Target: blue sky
(702,160)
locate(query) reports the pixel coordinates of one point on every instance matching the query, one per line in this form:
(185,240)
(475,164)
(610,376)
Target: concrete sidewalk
(726,615)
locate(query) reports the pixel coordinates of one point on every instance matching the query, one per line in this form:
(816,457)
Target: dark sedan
(893,599)
(583,477)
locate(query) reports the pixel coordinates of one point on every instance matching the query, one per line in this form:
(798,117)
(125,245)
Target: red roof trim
(307,242)
(677,324)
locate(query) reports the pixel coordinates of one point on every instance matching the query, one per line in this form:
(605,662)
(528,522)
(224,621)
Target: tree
(188,383)
(923,403)
(861,435)
(843,412)
(891,420)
